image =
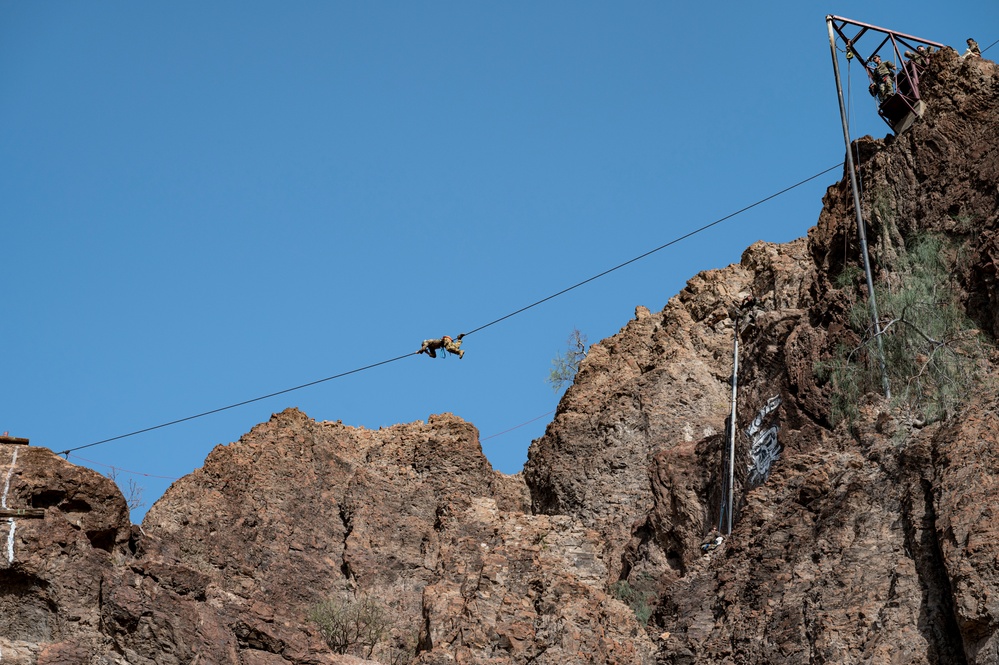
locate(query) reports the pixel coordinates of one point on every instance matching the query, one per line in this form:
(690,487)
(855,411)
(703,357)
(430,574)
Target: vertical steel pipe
(861,229)
(731,445)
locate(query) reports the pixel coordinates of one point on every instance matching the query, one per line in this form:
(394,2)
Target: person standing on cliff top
(430,346)
(921,57)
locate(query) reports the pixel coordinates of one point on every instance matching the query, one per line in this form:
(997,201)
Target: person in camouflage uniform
(884,77)
(430,346)
(921,56)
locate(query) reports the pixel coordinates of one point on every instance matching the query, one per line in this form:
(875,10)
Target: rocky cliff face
(227,567)
(864,540)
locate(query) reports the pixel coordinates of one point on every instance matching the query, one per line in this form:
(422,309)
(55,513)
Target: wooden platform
(899,114)
(13,440)
(906,121)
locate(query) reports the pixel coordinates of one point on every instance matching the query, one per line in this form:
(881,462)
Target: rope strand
(233,406)
(653,251)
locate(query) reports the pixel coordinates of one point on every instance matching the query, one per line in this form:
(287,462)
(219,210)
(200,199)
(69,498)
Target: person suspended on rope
(883,74)
(973,49)
(430,346)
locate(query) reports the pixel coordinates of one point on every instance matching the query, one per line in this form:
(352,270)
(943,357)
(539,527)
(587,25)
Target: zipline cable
(653,251)
(491,436)
(153,475)
(118,469)
(491,323)
(233,406)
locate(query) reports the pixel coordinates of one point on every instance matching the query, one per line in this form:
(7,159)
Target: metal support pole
(861,229)
(732,428)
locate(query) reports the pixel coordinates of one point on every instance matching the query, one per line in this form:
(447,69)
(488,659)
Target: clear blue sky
(203,203)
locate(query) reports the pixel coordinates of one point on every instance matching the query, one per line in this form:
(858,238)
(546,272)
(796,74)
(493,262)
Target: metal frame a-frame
(906,77)
(837,24)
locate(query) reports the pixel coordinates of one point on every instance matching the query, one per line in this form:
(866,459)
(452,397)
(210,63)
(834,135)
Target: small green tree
(564,367)
(349,623)
(932,349)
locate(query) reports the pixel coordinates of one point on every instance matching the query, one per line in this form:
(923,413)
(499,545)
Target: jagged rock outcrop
(51,567)
(227,569)
(656,389)
(848,553)
(867,541)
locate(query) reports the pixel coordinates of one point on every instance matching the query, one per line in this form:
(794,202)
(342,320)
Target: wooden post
(22,512)
(11,513)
